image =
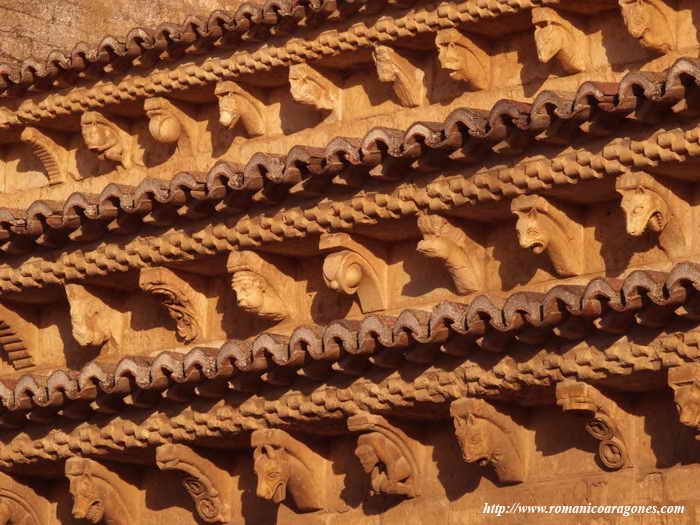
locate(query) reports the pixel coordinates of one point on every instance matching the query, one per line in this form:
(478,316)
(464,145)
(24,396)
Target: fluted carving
(606,422)
(407,79)
(52,155)
(464,58)
(237,104)
(543,228)
(490,437)
(556,37)
(652,22)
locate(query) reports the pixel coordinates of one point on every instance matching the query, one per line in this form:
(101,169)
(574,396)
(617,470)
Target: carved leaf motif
(187,326)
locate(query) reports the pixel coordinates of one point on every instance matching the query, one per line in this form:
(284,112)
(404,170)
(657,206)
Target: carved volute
(490,437)
(22,504)
(652,22)
(556,37)
(464,58)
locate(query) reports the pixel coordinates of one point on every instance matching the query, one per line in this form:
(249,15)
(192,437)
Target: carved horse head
(273,469)
(643,205)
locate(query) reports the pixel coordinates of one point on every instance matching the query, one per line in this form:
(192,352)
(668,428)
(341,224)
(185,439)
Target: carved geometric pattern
(17,352)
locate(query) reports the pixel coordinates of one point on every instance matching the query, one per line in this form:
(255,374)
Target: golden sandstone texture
(350,262)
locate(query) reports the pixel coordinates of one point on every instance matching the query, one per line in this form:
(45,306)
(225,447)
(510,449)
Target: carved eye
(475,438)
(273,475)
(638,210)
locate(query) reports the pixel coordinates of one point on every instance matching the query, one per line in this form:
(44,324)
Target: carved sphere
(165,129)
(353,276)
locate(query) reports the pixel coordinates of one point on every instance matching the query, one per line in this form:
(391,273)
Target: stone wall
(33,28)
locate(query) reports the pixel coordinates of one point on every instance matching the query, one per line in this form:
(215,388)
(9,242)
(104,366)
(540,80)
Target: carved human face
(688,406)
(163,125)
(250,291)
(87,320)
(550,38)
(386,68)
(531,234)
(643,209)
(229,112)
(87,502)
(100,136)
(273,471)
(473,439)
(368,458)
(453,54)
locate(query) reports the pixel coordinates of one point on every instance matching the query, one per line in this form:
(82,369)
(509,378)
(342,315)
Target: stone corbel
(387,455)
(108,138)
(320,90)
(21,504)
(287,467)
(685,382)
(543,227)
(184,304)
(652,22)
(169,123)
(463,257)
(406,78)
(490,437)
(239,105)
(101,495)
(464,58)
(208,485)
(260,285)
(92,320)
(647,206)
(556,37)
(606,422)
(50,151)
(352,268)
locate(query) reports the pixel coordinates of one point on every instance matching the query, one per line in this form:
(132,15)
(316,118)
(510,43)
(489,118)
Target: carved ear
(270,451)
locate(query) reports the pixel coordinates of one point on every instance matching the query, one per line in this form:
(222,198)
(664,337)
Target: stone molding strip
(267,179)
(571,312)
(226,30)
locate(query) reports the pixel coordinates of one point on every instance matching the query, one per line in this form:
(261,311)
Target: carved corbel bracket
(490,437)
(464,57)
(685,382)
(544,227)
(92,320)
(647,204)
(169,123)
(320,90)
(21,504)
(284,464)
(183,303)
(387,455)
(556,36)
(353,268)
(108,138)
(51,152)
(463,257)
(101,495)
(606,423)
(239,104)
(652,22)
(407,79)
(260,285)
(207,484)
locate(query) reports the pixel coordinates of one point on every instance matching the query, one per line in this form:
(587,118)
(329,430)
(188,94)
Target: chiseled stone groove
(645,298)
(218,31)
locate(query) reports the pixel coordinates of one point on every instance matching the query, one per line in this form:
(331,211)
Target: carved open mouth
(280,493)
(656,222)
(94,512)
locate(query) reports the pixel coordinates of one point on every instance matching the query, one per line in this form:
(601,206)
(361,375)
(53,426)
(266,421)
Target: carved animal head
(473,437)
(88,503)
(89,326)
(643,206)
(550,35)
(273,470)
(440,237)
(463,58)
(533,234)
(164,125)
(384,58)
(229,110)
(101,136)
(367,456)
(687,400)
(647,21)
(310,87)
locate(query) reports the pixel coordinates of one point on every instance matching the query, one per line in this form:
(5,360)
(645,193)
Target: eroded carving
(555,36)
(407,80)
(464,58)
(685,382)
(169,124)
(21,504)
(543,227)
(386,455)
(647,206)
(463,257)
(259,285)
(313,88)
(606,422)
(178,297)
(106,138)
(238,104)
(283,464)
(651,22)
(352,268)
(51,153)
(91,320)
(98,493)
(490,437)
(206,483)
